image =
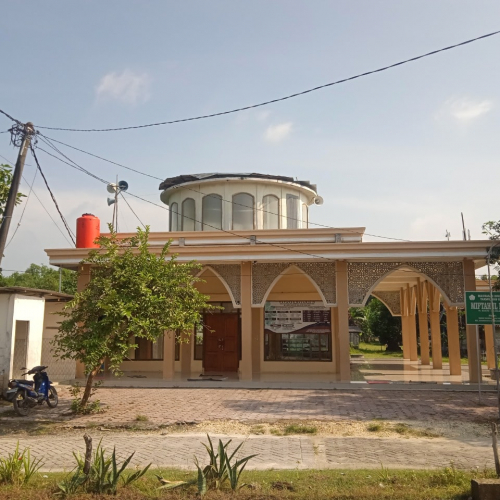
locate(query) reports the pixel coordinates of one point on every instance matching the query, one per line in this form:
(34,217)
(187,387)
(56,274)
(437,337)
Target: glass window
(243,210)
(174,217)
(292,211)
(297,346)
(305,213)
(212,212)
(148,350)
(198,341)
(188,214)
(270,207)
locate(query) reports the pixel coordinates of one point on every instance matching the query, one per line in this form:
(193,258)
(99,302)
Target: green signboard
(478,308)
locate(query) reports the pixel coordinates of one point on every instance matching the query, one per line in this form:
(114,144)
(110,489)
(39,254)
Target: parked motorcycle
(26,394)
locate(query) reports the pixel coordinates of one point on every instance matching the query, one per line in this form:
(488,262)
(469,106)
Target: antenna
(116,189)
(464,234)
(447,235)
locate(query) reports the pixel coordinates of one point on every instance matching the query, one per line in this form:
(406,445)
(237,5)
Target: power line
(40,201)
(52,196)
(265,103)
(50,139)
(132,210)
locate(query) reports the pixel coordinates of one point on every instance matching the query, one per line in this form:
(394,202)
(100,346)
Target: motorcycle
(26,394)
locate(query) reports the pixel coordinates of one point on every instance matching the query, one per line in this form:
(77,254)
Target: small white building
(27,325)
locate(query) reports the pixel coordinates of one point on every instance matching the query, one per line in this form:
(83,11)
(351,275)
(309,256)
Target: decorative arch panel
(230,275)
(392,300)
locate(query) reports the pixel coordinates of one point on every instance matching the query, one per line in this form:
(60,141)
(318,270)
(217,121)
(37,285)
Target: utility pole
(14,187)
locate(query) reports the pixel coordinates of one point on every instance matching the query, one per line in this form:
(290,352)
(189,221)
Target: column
(343,322)
(405,333)
(168,366)
(490,347)
(423,327)
(257,337)
(83,281)
(472,352)
(412,326)
(437,355)
(453,340)
(245,369)
(334,324)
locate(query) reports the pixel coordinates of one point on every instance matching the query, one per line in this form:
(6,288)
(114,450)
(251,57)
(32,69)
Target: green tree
(5,182)
(380,323)
(43,277)
(492,230)
(132,294)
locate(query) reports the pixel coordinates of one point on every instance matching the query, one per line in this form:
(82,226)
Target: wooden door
(220,343)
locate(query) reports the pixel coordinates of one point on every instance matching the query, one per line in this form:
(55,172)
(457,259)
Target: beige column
(423,327)
(453,340)
(83,281)
(343,322)
(257,337)
(245,369)
(490,347)
(437,355)
(472,352)
(405,324)
(334,323)
(168,366)
(185,357)
(412,326)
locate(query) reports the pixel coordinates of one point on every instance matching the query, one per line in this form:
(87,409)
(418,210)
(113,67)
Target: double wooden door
(220,343)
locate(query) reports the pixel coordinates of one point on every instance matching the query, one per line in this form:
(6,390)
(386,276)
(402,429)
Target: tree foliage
(492,230)
(132,294)
(5,182)
(43,277)
(380,323)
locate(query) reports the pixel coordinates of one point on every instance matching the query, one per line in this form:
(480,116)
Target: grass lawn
(382,484)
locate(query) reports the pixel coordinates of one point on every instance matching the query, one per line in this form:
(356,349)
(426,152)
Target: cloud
(127,87)
(464,109)
(277,133)
(263,115)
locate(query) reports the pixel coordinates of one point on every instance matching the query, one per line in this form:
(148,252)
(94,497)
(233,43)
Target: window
(147,350)
(270,207)
(292,211)
(188,214)
(174,217)
(243,210)
(297,346)
(212,212)
(198,342)
(305,214)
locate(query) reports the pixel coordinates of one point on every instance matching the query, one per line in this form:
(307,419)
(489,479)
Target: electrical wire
(132,210)
(52,196)
(24,210)
(279,99)
(50,139)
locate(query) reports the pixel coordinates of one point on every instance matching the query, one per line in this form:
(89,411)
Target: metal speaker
(318,200)
(111,201)
(111,187)
(123,185)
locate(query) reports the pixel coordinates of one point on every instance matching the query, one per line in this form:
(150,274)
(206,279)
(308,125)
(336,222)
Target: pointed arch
(230,277)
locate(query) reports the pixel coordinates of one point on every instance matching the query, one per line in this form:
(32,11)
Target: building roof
(49,295)
(184,179)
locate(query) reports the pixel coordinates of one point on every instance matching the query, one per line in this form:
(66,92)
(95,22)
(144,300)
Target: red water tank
(88,229)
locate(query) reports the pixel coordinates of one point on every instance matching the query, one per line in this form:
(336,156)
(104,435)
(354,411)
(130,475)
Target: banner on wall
(288,317)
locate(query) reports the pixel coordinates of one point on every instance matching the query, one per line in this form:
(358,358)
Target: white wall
(6,311)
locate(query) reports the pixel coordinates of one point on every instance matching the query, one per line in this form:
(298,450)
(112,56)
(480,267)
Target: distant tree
(492,230)
(380,323)
(132,294)
(5,182)
(43,277)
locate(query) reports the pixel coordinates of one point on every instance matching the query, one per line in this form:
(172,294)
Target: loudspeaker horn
(123,185)
(111,187)
(111,201)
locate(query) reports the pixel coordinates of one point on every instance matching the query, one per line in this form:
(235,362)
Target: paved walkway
(289,452)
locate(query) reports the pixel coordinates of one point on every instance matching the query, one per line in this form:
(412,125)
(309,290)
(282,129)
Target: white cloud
(464,109)
(277,133)
(127,87)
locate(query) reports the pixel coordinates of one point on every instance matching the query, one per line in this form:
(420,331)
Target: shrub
(18,468)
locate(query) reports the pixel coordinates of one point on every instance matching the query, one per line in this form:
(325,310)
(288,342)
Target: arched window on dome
(292,211)
(243,212)
(211,212)
(305,216)
(271,211)
(188,215)
(174,217)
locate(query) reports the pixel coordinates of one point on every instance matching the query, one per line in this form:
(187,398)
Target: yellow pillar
(245,369)
(453,340)
(405,324)
(412,326)
(490,347)
(423,327)
(437,355)
(83,281)
(168,366)
(257,337)
(472,352)
(343,322)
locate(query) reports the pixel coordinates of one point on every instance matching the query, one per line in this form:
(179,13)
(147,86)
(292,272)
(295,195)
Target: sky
(401,153)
